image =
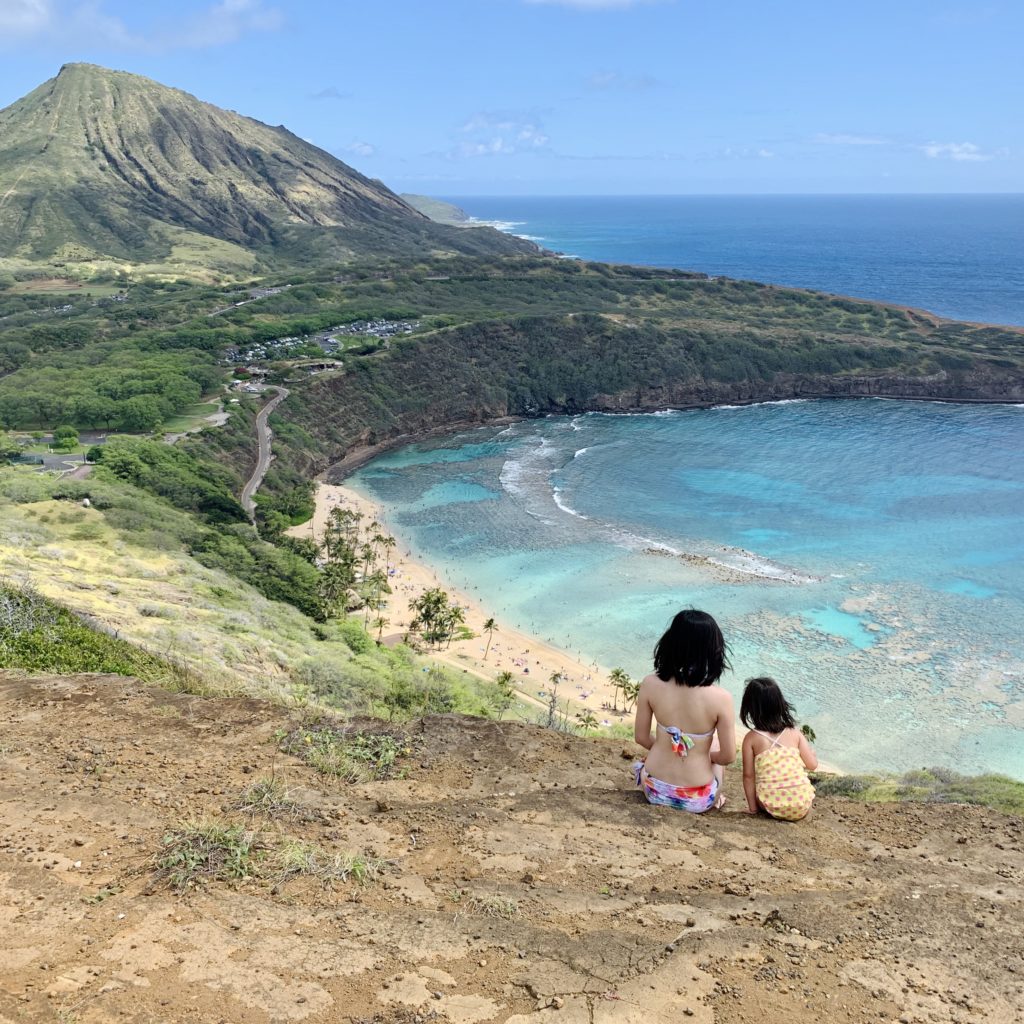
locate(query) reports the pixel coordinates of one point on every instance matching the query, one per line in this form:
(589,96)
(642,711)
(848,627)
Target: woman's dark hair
(692,651)
(763,706)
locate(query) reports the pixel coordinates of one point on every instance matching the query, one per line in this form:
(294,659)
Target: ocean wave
(754,405)
(749,564)
(556,494)
(498,225)
(526,475)
(580,451)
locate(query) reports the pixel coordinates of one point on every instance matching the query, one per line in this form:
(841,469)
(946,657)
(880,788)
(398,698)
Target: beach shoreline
(532,662)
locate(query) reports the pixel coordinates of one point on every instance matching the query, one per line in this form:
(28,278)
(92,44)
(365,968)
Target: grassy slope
(122,568)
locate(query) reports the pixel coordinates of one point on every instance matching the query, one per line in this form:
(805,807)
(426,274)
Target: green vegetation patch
(347,754)
(38,635)
(271,798)
(928,785)
(297,858)
(202,851)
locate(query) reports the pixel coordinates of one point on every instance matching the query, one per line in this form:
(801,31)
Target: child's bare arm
(726,728)
(644,717)
(807,754)
(749,779)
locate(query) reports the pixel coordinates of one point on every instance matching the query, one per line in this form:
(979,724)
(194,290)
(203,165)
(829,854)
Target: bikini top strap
(774,739)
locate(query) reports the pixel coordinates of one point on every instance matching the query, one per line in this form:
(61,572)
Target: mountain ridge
(101,164)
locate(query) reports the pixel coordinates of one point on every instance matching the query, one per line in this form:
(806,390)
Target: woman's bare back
(697,711)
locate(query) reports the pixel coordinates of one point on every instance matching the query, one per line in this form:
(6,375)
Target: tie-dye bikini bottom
(695,799)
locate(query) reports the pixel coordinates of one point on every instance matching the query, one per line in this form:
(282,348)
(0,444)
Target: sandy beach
(531,661)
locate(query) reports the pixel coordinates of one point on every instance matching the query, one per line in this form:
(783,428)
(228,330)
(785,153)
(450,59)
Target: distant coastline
(892,249)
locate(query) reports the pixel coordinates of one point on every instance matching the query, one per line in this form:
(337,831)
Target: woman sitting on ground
(684,768)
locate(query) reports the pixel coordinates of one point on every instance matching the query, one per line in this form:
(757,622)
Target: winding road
(263,436)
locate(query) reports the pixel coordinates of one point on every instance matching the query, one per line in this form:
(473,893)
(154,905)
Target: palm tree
(504,696)
(587,720)
(456,617)
(630,692)
(489,627)
(552,699)
(618,678)
(380,622)
(388,544)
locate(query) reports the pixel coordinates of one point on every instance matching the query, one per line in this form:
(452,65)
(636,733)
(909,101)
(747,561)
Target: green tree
(551,694)
(489,627)
(630,693)
(433,611)
(619,680)
(65,438)
(335,588)
(9,448)
(503,696)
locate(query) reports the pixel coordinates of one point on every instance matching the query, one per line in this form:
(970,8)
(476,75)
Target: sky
(594,97)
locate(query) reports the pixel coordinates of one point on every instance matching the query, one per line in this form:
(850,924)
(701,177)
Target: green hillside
(99,165)
(437,209)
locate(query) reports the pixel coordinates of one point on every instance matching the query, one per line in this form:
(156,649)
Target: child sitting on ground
(775,754)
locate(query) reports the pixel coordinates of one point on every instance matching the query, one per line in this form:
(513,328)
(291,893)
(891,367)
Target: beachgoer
(776,754)
(696,733)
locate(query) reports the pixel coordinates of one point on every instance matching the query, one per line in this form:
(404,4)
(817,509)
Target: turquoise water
(961,256)
(865,553)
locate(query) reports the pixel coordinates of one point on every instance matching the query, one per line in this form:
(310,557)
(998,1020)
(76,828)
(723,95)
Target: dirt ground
(525,881)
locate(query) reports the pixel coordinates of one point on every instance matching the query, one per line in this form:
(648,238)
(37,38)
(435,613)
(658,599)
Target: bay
(868,554)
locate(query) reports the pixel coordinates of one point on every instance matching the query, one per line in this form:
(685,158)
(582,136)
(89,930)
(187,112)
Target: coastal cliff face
(440,420)
(549,365)
(517,876)
(940,386)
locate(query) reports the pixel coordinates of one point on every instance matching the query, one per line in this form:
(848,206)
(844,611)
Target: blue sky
(502,97)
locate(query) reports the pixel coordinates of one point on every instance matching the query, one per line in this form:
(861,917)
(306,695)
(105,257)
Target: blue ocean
(960,256)
(867,554)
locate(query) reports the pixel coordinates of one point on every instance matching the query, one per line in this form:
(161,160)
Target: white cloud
(593,5)
(86,22)
(490,134)
(24,17)
(615,80)
(955,151)
(360,148)
(846,139)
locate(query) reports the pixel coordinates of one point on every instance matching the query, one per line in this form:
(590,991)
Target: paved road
(263,435)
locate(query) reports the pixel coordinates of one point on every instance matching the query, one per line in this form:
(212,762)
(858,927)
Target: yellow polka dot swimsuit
(783,788)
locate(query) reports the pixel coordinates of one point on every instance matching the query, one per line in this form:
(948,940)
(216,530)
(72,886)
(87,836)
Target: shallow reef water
(867,554)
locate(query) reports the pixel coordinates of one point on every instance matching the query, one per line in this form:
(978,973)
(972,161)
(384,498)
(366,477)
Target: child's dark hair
(692,651)
(763,707)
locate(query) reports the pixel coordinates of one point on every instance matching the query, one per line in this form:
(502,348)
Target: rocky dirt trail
(525,881)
